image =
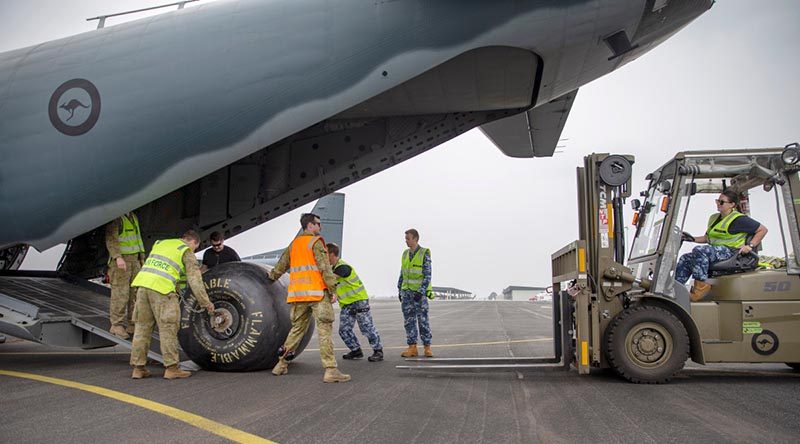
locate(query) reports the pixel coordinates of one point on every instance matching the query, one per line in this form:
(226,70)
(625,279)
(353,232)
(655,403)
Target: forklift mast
(592,266)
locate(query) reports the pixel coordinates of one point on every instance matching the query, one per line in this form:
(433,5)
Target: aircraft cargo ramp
(60,310)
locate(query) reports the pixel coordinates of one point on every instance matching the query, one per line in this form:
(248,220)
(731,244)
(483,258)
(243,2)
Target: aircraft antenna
(102,18)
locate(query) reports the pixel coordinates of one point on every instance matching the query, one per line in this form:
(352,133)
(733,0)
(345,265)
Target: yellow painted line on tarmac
(200,422)
(468,344)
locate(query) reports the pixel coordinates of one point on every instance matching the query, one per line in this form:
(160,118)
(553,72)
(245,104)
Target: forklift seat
(738,263)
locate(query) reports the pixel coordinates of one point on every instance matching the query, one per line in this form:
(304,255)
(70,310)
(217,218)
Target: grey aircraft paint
(330,210)
(104,122)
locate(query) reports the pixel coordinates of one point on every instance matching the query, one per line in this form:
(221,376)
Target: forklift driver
(726,235)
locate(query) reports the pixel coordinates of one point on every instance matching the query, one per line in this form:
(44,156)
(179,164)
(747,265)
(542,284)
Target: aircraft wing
(533,133)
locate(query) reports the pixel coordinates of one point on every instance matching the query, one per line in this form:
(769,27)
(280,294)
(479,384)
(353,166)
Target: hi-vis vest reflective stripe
(130,239)
(412,271)
(350,289)
(719,236)
(305,278)
(163,270)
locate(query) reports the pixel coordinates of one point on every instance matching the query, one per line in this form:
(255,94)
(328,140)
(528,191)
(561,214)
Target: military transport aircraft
(226,115)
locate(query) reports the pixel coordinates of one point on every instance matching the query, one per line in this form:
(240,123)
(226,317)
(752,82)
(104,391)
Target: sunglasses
(720,202)
(216,245)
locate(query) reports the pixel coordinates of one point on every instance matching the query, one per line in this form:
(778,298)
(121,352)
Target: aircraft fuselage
(229,114)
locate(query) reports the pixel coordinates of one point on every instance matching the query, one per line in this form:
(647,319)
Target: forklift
(633,316)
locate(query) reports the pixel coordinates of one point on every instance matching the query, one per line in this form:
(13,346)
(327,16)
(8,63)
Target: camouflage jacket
(194,278)
(112,240)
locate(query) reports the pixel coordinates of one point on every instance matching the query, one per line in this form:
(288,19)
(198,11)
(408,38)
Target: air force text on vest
(156,263)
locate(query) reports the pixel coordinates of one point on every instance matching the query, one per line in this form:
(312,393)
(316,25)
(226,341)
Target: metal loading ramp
(60,310)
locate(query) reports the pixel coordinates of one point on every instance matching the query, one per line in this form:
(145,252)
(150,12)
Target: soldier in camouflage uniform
(354,302)
(125,257)
(169,266)
(415,289)
(312,290)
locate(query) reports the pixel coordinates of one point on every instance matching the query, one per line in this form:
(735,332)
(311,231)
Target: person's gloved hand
(429,294)
(686,237)
(210,309)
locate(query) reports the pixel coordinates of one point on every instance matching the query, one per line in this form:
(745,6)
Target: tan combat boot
(119,331)
(410,352)
(428,351)
(281,368)
(334,375)
(175,372)
(699,290)
(140,372)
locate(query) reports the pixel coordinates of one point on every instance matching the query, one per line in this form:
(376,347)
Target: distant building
(515,293)
(451,293)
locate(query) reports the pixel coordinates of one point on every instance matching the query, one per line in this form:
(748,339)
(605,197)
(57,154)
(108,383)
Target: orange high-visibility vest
(305,278)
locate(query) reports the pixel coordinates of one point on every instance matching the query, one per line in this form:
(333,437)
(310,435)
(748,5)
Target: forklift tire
(255,318)
(794,365)
(647,345)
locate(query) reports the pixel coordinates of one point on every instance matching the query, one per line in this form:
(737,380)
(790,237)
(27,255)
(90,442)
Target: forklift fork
(562,346)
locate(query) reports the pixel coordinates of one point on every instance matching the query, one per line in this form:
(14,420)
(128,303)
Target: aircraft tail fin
(330,210)
(533,133)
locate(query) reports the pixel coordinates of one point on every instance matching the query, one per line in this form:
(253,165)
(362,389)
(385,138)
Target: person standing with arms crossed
(414,289)
(312,290)
(125,257)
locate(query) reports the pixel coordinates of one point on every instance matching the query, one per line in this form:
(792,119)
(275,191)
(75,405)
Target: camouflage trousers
(322,311)
(358,311)
(415,311)
(164,310)
(123,296)
(696,263)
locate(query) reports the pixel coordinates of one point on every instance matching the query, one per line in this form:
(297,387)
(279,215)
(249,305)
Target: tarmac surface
(715,403)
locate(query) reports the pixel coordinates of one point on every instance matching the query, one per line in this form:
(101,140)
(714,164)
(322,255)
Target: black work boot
(355,354)
(377,355)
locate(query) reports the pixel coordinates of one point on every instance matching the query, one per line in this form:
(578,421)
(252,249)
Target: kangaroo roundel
(74,107)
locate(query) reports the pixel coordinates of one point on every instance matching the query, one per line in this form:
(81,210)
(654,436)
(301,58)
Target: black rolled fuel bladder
(254,320)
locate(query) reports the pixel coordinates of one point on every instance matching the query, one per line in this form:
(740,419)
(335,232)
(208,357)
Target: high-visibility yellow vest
(719,235)
(164,271)
(350,288)
(130,238)
(412,271)
(305,278)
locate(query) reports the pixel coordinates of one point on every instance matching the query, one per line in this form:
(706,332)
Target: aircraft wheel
(253,320)
(647,345)
(794,365)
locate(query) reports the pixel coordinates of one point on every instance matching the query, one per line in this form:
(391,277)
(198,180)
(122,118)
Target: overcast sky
(729,80)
